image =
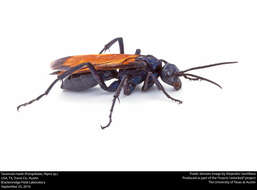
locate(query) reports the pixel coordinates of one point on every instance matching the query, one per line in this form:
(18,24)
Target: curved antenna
(206,66)
(196,77)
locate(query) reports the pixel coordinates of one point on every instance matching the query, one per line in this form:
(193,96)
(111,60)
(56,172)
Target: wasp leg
(113,86)
(129,87)
(135,78)
(148,83)
(159,85)
(100,81)
(60,77)
(116,96)
(138,52)
(109,45)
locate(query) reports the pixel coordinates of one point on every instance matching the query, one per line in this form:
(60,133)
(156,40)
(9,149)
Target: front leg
(159,85)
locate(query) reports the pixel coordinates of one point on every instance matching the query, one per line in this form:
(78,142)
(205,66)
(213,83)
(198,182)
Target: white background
(212,130)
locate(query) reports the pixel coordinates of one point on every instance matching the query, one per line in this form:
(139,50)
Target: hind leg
(60,77)
(109,45)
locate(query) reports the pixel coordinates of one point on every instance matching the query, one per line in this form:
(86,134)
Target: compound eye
(168,73)
(169,70)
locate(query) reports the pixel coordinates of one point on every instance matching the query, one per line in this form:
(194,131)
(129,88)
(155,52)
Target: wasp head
(169,75)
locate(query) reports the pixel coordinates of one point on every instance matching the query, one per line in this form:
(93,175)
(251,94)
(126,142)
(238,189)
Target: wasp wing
(99,61)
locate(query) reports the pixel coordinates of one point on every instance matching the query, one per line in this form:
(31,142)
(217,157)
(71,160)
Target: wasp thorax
(168,75)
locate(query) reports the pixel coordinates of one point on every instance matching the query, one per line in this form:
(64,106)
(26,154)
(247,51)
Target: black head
(170,74)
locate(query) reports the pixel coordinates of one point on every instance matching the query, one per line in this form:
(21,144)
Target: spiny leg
(109,45)
(60,77)
(116,96)
(159,85)
(39,97)
(98,78)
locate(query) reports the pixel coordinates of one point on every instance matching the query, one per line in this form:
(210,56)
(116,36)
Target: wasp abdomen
(79,83)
